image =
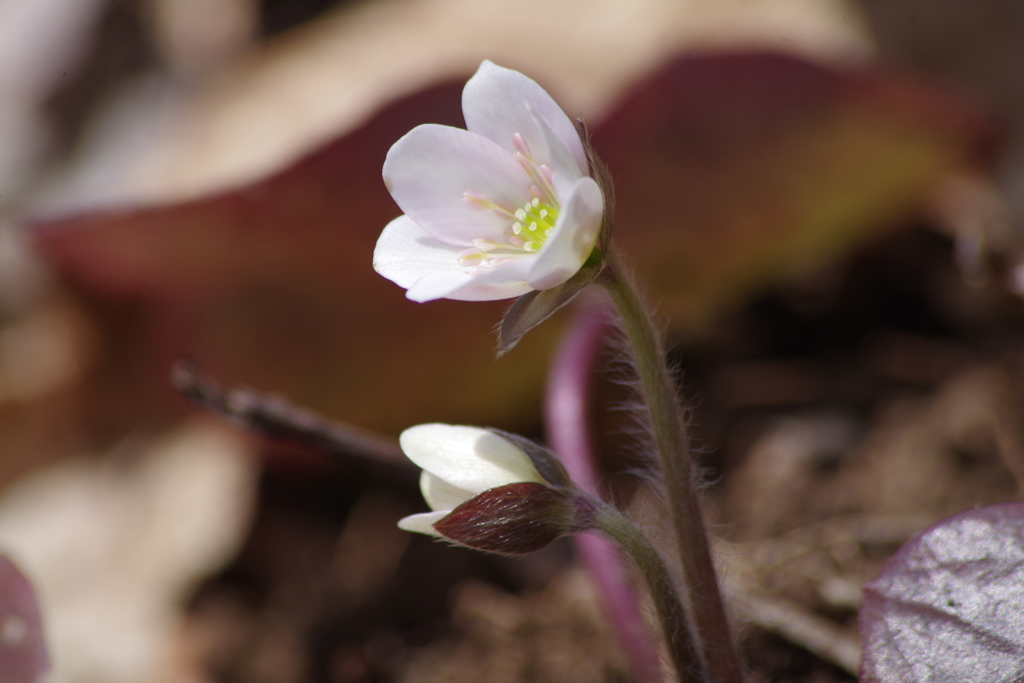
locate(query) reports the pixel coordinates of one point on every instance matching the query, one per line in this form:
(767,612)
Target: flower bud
(516,519)
(491,490)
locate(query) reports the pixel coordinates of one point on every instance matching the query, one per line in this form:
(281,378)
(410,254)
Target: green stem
(672,443)
(678,632)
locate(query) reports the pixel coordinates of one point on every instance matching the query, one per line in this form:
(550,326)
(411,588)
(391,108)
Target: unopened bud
(517,518)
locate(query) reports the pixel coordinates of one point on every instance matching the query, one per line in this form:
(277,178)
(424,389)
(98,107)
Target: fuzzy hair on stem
(671,444)
(567,406)
(676,626)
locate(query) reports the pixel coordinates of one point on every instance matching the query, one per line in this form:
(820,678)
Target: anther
(528,246)
(485,245)
(543,213)
(533,226)
(535,202)
(517,227)
(549,232)
(476,200)
(520,144)
(520,214)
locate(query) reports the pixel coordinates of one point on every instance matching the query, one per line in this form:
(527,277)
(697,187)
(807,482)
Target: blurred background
(824,199)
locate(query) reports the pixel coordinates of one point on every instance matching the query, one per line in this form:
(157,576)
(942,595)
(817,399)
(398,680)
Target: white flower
(460,463)
(495,211)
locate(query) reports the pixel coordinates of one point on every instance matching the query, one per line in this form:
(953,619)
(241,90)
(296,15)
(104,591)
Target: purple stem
(23,657)
(567,406)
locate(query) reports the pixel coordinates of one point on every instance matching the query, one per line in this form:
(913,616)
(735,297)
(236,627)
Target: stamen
(476,200)
(528,227)
(524,162)
(520,144)
(470,257)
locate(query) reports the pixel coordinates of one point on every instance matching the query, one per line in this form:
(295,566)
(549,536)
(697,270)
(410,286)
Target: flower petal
(576,232)
(423,523)
(467,458)
(429,170)
(564,167)
(439,494)
(503,282)
(405,253)
(496,103)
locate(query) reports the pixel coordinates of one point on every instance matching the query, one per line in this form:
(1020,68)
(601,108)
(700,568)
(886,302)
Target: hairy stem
(566,408)
(671,614)
(672,444)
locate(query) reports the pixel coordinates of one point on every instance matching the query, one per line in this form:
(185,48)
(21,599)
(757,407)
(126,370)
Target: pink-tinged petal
(430,170)
(467,458)
(563,164)
(496,103)
(405,253)
(576,232)
(423,523)
(503,282)
(439,494)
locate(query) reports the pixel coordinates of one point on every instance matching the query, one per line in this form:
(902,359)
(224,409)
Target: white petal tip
(418,299)
(423,523)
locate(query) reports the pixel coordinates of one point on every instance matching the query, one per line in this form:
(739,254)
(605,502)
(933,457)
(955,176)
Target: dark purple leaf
(23,657)
(949,606)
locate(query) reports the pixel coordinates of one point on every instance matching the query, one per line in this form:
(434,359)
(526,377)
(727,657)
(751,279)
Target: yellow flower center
(530,226)
(535,222)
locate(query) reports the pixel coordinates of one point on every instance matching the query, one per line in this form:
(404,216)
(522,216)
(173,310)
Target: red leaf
(732,170)
(272,285)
